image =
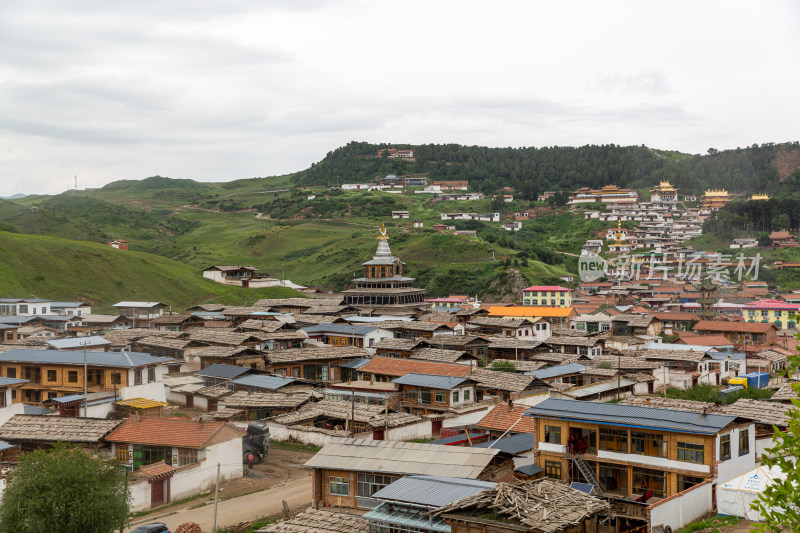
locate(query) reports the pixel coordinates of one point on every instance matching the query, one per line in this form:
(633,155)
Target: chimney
(647,401)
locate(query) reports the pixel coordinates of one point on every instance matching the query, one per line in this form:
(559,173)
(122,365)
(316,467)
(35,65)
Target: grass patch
(293,446)
(421,441)
(710,394)
(714,522)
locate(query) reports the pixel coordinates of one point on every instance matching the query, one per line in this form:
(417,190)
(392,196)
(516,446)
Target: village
(564,411)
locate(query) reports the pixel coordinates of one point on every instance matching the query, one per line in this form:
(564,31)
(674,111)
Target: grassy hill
(61,269)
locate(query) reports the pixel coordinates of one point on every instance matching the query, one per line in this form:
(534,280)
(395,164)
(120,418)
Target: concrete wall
(279,432)
(682,508)
(152,391)
(467,419)
(736,465)
(11,410)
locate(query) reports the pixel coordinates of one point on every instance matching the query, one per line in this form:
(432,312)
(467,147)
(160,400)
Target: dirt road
(297,494)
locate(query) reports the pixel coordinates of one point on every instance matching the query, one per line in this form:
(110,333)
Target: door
(156,493)
(190,400)
(436,427)
(377,434)
(212,404)
(137,457)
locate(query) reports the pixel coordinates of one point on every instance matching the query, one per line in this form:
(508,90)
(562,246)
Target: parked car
(155,527)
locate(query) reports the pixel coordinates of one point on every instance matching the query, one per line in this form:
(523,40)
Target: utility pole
(85,379)
(216,501)
(619,372)
(352,409)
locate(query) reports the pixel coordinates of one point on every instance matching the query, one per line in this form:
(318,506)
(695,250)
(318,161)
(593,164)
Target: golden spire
(382,231)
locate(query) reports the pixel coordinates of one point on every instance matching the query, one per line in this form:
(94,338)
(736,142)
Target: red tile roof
(165,432)
(400,367)
(155,470)
(503,417)
(771,304)
(675,316)
(746,327)
(686,337)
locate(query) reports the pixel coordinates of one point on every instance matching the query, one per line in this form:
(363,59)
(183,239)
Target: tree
(778,503)
(64,489)
(503,365)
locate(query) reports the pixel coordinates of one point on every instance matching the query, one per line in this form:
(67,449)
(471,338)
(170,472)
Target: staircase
(587,473)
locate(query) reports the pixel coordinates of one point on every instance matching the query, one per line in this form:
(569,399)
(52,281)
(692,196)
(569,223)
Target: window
(369,484)
(687,482)
(339,486)
(615,478)
(744,442)
(24,309)
(187,456)
(52,375)
(122,454)
(552,434)
(690,453)
(11,372)
(552,469)
(137,377)
(151,374)
(466,395)
(116,378)
(614,440)
(295,371)
(72,376)
(725,447)
(439,396)
(645,479)
(455,396)
(650,444)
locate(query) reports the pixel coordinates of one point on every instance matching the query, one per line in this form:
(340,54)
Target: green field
(61,269)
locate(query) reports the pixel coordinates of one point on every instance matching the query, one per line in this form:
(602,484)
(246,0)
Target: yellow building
(530,311)
(758,197)
(547,295)
(664,193)
(714,199)
(772,311)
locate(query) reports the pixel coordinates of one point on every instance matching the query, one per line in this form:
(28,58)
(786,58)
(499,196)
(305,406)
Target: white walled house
(141,314)
(70,308)
(174,459)
(348,335)
(24,307)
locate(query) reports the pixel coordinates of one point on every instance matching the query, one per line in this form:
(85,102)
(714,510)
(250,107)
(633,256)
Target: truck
(753,380)
(256,441)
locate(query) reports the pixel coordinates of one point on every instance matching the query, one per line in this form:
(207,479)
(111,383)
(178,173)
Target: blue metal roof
(263,382)
(631,416)
(583,487)
(559,370)
(78,342)
(529,470)
(346,329)
(209,314)
(430,381)
(521,442)
(355,363)
(35,410)
(60,357)
(5,382)
(220,370)
(66,305)
(431,491)
(4,445)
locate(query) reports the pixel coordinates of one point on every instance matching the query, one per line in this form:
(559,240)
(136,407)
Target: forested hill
(534,170)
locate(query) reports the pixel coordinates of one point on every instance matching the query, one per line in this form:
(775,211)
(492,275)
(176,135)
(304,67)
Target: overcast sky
(223,89)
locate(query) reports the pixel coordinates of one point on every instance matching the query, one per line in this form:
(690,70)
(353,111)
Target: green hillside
(61,269)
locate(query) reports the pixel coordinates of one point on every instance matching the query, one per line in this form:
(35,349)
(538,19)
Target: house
(92,324)
(552,314)
(177,322)
(782,239)
(400,214)
(32,432)
(319,521)
(584,345)
(776,312)
(141,314)
(348,335)
(418,224)
(348,472)
(398,347)
(261,405)
(512,327)
(506,385)
(93,343)
(417,329)
(319,365)
(739,333)
(538,506)
(172,459)
(440,355)
(635,452)
(456,185)
(55,373)
(24,307)
(414,181)
(472,344)
(407,500)
(386,369)
(70,308)
(119,244)
(425,394)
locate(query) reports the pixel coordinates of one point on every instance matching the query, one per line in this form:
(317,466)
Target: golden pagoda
(619,245)
(758,197)
(713,199)
(664,193)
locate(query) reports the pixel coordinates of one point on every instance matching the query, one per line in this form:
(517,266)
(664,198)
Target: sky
(220,90)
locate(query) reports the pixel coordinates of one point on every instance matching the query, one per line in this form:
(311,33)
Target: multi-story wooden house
(426,394)
(639,452)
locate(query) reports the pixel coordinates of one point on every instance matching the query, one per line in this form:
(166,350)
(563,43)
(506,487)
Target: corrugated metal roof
(397,457)
(4,445)
(630,415)
(263,382)
(559,370)
(430,381)
(78,342)
(139,304)
(112,359)
(355,363)
(432,491)
(222,371)
(529,470)
(598,388)
(522,442)
(5,382)
(461,437)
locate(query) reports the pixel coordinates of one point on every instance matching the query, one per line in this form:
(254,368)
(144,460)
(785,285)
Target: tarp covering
(735,496)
